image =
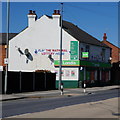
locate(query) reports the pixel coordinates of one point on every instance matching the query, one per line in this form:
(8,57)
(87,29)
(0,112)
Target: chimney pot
(34,13)
(59,12)
(30,11)
(56,12)
(104,37)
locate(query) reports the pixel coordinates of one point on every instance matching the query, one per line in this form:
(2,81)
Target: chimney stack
(31,18)
(104,37)
(56,14)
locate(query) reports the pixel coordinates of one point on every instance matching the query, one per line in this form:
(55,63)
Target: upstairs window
(103,54)
(87,50)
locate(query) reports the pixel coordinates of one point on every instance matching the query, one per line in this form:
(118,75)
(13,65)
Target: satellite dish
(26,51)
(28,55)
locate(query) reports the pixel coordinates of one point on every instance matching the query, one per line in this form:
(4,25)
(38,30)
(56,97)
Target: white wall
(42,36)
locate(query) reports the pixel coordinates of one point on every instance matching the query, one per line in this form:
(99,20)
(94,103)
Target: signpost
(60,66)
(7,43)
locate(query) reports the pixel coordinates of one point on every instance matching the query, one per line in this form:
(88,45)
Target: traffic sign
(5,60)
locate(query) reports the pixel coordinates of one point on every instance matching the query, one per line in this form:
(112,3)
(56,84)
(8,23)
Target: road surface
(34,105)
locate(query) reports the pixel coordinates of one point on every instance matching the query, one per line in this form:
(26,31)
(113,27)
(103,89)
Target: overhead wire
(91,10)
(74,16)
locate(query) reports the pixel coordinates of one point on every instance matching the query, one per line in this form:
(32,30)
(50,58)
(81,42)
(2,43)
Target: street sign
(5,60)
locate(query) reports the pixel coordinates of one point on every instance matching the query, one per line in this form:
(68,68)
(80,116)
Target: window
(103,54)
(87,50)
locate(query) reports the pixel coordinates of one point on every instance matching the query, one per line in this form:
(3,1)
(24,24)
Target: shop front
(75,73)
(94,73)
(70,71)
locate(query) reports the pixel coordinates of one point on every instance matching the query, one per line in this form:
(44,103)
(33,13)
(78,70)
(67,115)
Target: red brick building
(3,37)
(115,51)
(115,61)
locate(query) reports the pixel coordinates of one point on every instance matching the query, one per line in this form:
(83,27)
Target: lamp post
(7,43)
(60,65)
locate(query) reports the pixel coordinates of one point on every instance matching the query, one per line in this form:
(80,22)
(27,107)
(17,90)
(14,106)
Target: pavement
(55,93)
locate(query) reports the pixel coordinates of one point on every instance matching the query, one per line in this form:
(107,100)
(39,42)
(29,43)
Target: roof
(3,37)
(81,35)
(110,44)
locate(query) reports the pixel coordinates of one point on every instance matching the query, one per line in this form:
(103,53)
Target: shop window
(92,76)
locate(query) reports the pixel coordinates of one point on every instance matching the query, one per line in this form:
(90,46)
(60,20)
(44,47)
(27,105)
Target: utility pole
(7,44)
(60,65)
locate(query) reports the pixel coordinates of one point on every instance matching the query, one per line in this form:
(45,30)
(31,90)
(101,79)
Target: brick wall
(2,55)
(115,51)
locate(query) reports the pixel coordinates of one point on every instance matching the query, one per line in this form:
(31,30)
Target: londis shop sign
(67,63)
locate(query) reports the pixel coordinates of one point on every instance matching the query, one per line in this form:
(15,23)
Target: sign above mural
(51,51)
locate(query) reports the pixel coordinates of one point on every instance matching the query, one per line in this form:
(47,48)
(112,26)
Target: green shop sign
(85,54)
(82,63)
(74,50)
(67,63)
(94,64)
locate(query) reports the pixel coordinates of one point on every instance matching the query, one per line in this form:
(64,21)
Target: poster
(68,74)
(73,73)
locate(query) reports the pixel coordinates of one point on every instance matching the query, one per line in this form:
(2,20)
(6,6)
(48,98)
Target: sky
(95,18)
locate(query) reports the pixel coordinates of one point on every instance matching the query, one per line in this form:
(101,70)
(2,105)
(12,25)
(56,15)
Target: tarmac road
(107,109)
(33,105)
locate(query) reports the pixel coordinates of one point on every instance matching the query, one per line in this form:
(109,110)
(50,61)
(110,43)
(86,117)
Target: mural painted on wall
(51,51)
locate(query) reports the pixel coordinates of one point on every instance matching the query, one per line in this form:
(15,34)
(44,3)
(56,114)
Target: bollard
(84,88)
(61,88)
